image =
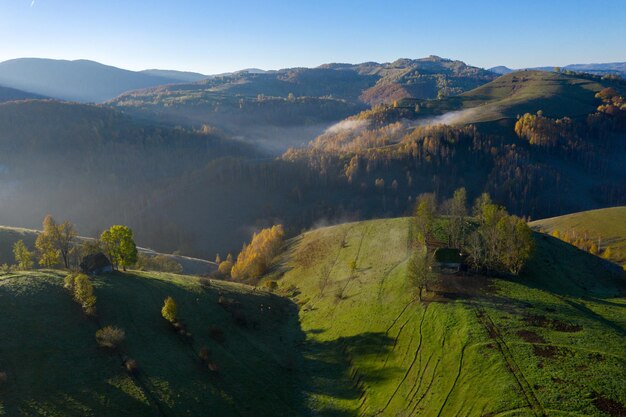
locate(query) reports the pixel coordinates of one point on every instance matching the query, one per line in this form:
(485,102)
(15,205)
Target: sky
(211,37)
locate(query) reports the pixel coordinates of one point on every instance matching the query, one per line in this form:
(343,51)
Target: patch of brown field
(543,321)
(549,351)
(530,336)
(308,254)
(462,286)
(609,406)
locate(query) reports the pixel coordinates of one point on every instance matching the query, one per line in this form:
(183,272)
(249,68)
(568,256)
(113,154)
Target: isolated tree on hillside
(23,257)
(54,243)
(516,243)
(169,310)
(120,246)
(64,235)
(49,254)
(421,274)
(424,216)
(458,212)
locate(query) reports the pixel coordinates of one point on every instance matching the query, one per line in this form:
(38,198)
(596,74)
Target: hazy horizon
(219,37)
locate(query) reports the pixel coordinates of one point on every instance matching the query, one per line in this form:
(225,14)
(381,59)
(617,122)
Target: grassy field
(541,344)
(343,335)
(514,94)
(54,366)
(606,225)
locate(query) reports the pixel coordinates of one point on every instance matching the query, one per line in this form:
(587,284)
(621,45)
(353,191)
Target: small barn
(96,264)
(449,260)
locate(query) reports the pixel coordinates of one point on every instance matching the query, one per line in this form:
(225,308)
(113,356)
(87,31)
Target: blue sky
(218,36)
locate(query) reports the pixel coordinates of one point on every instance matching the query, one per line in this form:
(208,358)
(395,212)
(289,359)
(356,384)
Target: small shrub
(6,268)
(225,268)
(131,366)
(205,282)
(169,310)
(213,367)
(82,290)
(270,285)
(110,337)
(204,354)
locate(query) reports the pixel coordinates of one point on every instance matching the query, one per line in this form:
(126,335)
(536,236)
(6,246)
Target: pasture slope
(343,335)
(550,342)
(54,367)
(608,226)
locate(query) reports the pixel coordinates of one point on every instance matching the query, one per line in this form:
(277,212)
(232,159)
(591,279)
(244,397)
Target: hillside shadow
(299,374)
(331,374)
(565,270)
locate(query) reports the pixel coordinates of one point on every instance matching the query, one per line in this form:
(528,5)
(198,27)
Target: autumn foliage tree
(256,256)
(169,311)
(81,289)
(23,257)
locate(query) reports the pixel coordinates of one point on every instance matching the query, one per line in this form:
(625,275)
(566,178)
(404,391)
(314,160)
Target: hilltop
(80,80)
(331,340)
(605,226)
(556,94)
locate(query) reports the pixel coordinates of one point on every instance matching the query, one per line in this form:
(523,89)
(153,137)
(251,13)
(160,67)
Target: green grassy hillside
(55,368)
(556,94)
(348,337)
(606,225)
(542,344)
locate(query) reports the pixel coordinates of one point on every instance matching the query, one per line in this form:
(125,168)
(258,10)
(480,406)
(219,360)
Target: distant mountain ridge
(81,80)
(12,94)
(600,69)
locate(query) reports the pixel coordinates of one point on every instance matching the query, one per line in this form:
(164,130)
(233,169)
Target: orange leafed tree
(255,257)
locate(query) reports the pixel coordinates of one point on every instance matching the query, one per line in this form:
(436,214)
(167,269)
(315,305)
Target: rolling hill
(618,68)
(540,344)
(334,343)
(81,80)
(289,107)
(606,226)
(516,93)
(54,366)
(10,235)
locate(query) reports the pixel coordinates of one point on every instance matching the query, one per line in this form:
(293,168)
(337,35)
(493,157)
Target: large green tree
(120,246)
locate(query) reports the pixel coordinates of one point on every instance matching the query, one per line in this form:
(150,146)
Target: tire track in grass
(456,379)
(408,371)
(418,383)
(395,342)
(525,387)
(430,384)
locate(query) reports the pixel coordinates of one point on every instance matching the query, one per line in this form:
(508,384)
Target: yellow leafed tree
(255,257)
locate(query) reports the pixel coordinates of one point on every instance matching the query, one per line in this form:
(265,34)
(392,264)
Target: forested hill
(570,157)
(92,164)
(291,106)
